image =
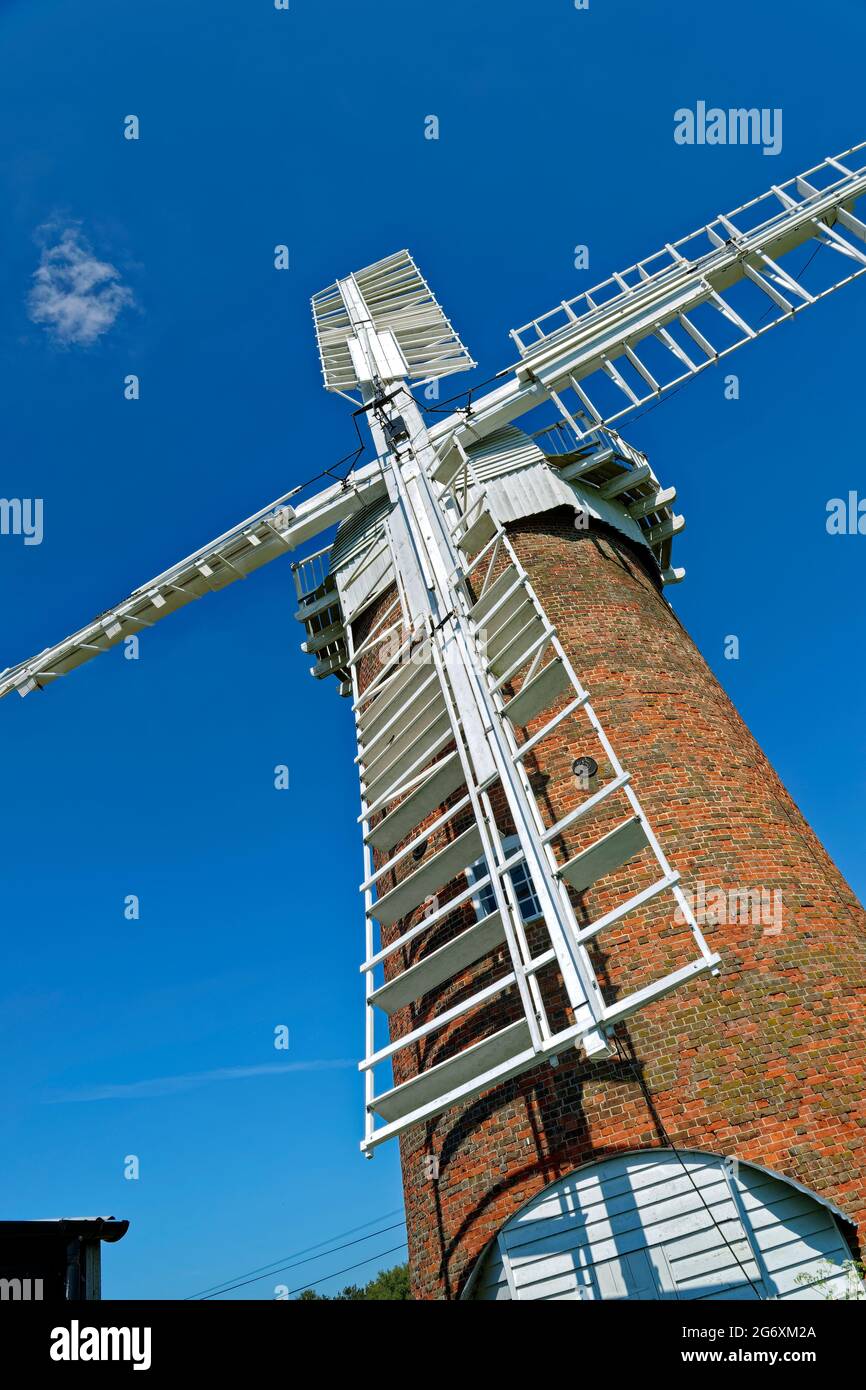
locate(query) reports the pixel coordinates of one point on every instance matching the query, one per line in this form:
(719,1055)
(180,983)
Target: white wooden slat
(828,1286)
(585,1188)
(706,1239)
(537,694)
(467,1005)
(496,1291)
(741,1292)
(655,502)
(477,941)
(626,481)
(445,777)
(731,1276)
(780,1232)
(613,850)
(723,1257)
(673,1201)
(428,1086)
(659,1210)
(506,609)
(645,1206)
(423,713)
(434,873)
(635,1227)
(516,614)
(395,690)
(500,586)
(769,1210)
(393,699)
(404,718)
(818,1248)
(437,736)
(627,1233)
(392,297)
(482,529)
(512,656)
(559,1288)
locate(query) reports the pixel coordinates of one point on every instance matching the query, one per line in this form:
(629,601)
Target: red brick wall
(768,1061)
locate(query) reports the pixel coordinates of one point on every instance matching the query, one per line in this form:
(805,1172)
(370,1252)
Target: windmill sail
(414,761)
(388,309)
(647,329)
(449,722)
(263,537)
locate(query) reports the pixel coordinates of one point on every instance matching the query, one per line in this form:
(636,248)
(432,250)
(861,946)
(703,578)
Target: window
(485,900)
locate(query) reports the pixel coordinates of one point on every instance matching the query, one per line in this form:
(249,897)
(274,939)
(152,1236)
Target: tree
(389,1285)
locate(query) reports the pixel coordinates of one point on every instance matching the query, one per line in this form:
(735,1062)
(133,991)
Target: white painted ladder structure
(648,329)
(667,318)
(419,750)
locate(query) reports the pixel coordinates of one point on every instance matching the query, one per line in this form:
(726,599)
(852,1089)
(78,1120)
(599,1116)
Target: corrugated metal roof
(361,556)
(354,533)
(504,450)
(520,483)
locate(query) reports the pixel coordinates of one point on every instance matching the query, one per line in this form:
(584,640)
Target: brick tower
(765,1063)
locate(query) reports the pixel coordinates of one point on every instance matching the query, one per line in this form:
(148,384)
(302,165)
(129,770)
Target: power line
(348,1268)
(309,1260)
(323,1278)
(439,407)
(352,456)
(294,1257)
(213,1290)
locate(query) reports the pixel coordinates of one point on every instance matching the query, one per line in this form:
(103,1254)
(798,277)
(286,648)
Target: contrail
(170,1085)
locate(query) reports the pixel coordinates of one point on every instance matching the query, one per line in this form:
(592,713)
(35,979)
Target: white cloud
(74,295)
(170,1085)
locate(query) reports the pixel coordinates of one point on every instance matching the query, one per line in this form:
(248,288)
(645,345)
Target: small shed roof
(105,1228)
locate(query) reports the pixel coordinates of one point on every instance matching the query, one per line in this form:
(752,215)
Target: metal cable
(250,1275)
(333,1275)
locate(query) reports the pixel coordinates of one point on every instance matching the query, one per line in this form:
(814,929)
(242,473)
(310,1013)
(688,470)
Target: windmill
(458,676)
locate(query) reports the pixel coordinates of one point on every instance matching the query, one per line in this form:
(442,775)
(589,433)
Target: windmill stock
(488,889)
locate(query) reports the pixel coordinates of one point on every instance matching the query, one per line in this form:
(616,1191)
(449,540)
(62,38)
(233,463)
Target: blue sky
(155,777)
